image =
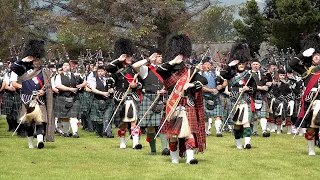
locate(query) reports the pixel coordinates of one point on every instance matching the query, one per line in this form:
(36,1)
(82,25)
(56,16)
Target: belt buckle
(35,92)
(180,108)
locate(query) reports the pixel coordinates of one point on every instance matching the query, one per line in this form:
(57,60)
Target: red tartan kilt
(172,127)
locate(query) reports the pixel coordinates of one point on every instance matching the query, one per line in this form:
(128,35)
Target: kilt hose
(217,111)
(11,105)
(263,112)
(63,112)
(97,114)
(152,118)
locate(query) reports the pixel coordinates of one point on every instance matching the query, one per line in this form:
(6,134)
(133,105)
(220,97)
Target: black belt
(30,92)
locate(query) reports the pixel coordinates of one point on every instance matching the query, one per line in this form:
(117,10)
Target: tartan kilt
(226,106)
(192,119)
(216,112)
(117,117)
(11,104)
(250,113)
(55,110)
(97,115)
(263,112)
(152,118)
(84,101)
(63,112)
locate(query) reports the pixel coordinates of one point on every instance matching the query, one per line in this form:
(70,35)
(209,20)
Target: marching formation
(165,95)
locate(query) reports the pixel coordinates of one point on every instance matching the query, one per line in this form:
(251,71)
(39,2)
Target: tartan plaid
(236,79)
(152,118)
(63,112)
(226,105)
(264,111)
(54,105)
(174,126)
(217,111)
(249,111)
(97,115)
(83,97)
(118,118)
(195,114)
(11,104)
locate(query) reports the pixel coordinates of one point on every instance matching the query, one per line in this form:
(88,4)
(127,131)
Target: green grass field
(90,157)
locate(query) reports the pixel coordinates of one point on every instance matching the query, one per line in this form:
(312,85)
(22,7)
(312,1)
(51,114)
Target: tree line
(87,24)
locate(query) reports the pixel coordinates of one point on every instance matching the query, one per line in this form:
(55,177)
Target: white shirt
(91,80)
(53,84)
(8,80)
(144,71)
(13,77)
(58,79)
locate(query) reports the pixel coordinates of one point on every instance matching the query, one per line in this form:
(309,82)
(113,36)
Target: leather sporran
(158,107)
(210,104)
(257,104)
(102,105)
(69,102)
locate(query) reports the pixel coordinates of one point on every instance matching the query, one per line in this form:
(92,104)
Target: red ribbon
(153,69)
(130,79)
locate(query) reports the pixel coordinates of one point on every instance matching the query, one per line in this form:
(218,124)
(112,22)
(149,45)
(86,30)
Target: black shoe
(194,161)
(75,135)
(40,145)
(255,134)
(153,153)
(138,146)
(22,134)
(110,136)
(248,146)
(266,134)
(65,134)
(165,152)
(219,135)
(100,135)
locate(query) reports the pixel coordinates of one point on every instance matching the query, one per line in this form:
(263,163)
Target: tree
(17,22)
(294,20)
(99,23)
(252,27)
(215,24)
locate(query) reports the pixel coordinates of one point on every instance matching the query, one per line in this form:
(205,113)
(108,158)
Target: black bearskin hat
(255,60)
(34,48)
(281,71)
(178,45)
(240,53)
(309,46)
(123,46)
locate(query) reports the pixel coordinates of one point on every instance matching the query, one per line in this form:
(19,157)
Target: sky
(235,2)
